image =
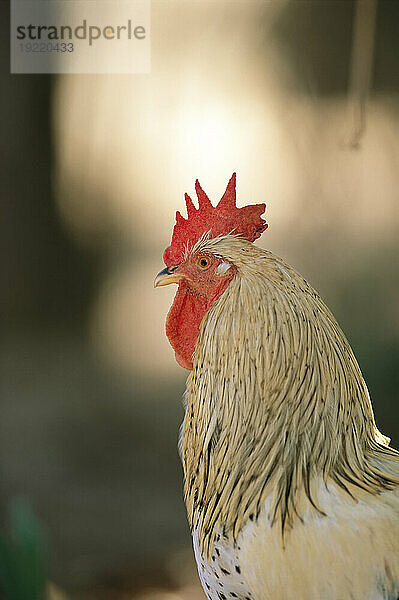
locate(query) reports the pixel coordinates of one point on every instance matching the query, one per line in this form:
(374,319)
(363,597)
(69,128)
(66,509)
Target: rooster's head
(202,276)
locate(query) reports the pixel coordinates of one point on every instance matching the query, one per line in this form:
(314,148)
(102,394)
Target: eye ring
(204,262)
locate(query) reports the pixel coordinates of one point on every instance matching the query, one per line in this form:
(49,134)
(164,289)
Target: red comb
(222,219)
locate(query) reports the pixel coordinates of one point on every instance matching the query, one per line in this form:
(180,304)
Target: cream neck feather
(275,401)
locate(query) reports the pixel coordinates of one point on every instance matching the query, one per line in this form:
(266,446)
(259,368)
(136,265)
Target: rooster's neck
(275,401)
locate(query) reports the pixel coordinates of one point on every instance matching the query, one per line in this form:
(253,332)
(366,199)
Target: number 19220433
(47,47)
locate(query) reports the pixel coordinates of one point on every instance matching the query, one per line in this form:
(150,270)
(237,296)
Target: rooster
(291,490)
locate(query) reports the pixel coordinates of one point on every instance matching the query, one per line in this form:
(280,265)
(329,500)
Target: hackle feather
(275,401)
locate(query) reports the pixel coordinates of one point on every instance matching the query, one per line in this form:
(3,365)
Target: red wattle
(183,323)
(184,320)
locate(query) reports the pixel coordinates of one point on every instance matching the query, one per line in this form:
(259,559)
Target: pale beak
(167,276)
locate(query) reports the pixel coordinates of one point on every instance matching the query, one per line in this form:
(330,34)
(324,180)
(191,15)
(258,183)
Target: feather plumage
(279,438)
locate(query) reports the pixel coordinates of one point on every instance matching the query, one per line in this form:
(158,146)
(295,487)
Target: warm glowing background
(94,168)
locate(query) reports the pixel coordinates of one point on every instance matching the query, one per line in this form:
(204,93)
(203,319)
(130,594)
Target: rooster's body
(291,490)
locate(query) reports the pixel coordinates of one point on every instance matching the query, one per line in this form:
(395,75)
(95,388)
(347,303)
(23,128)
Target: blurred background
(301,99)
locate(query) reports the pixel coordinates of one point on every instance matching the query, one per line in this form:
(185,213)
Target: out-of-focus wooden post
(361,66)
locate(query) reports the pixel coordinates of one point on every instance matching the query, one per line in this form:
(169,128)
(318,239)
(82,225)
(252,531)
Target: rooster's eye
(204,262)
